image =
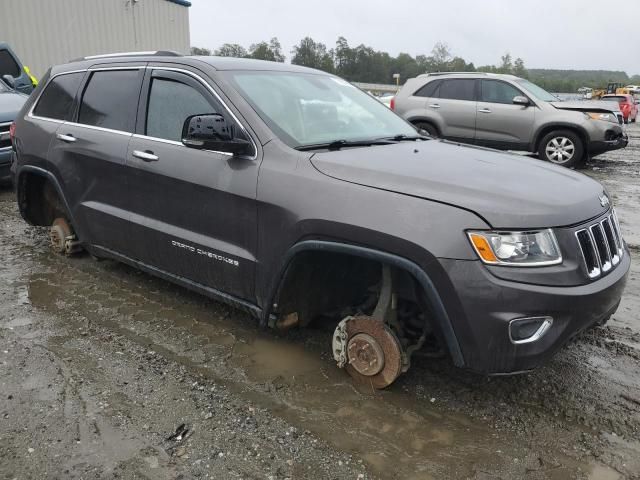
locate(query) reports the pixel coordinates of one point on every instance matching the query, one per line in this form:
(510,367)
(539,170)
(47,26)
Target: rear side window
(494,91)
(57,98)
(8,65)
(429,90)
(110,100)
(458,89)
(170,103)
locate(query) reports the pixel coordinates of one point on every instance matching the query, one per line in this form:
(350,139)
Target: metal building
(47,32)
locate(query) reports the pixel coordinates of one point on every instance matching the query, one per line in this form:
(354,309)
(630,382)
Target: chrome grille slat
(601,245)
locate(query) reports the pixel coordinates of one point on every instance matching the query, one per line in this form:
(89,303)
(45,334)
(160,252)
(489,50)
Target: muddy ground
(106,372)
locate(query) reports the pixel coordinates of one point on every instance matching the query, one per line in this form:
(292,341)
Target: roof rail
(155,53)
(437,74)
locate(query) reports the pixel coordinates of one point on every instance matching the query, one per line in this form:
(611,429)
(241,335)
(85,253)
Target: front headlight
(605,117)
(520,249)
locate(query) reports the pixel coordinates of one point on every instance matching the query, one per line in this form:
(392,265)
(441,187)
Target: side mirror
(8,79)
(521,100)
(212,132)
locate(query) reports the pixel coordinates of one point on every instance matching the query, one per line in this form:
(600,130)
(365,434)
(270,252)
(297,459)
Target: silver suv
(510,113)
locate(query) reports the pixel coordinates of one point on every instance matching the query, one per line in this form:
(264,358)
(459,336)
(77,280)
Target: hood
(588,105)
(508,191)
(10,105)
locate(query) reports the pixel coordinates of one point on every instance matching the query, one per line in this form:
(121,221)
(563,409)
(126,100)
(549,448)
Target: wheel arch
(550,127)
(414,120)
(22,182)
(441,316)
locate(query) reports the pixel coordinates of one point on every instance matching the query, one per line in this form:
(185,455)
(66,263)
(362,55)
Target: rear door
(456,103)
(89,152)
(500,123)
(193,211)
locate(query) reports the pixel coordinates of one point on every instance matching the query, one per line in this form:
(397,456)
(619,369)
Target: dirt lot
(102,368)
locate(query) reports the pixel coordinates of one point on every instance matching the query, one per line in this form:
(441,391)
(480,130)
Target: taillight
(392,104)
(12,131)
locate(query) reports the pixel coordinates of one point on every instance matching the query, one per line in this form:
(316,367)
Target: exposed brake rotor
(62,238)
(58,234)
(369,350)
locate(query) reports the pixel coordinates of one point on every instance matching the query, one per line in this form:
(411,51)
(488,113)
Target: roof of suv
(218,63)
(469,74)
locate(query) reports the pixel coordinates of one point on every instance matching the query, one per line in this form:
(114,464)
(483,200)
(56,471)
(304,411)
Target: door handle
(484,110)
(66,138)
(147,155)
(434,105)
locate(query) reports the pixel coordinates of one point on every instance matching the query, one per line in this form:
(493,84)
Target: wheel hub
(560,149)
(58,234)
(365,354)
(369,350)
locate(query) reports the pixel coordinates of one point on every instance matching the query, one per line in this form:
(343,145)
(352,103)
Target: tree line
(365,64)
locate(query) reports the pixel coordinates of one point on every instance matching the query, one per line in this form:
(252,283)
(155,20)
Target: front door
(500,123)
(193,212)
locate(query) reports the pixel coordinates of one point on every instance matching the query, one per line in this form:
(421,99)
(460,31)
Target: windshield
(309,109)
(538,92)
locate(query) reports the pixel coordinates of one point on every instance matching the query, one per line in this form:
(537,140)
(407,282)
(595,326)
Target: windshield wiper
(402,137)
(338,144)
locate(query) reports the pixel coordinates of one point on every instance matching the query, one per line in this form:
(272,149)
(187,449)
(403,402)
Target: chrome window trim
(100,129)
(178,144)
(206,85)
(35,103)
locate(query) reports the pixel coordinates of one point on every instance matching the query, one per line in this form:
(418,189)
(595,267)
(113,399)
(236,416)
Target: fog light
(528,330)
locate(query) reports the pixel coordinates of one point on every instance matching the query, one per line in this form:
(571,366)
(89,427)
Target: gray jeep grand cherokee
(291,194)
(510,113)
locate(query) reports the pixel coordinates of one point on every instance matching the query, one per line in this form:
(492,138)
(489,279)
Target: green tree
(312,54)
(271,51)
(200,51)
(519,69)
(506,63)
(232,50)
(440,57)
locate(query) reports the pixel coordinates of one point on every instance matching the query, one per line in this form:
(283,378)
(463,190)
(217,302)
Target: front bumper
(613,140)
(490,303)
(5,164)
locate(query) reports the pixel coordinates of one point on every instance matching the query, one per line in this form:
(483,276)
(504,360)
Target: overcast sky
(569,34)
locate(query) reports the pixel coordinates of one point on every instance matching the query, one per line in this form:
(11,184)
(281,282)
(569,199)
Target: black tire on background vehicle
(562,147)
(429,128)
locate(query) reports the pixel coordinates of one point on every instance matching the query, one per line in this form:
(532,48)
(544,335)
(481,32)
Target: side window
(170,103)
(429,90)
(494,91)
(458,89)
(8,65)
(110,100)
(57,98)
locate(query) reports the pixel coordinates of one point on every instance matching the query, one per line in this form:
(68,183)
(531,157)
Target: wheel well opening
(418,122)
(552,128)
(38,200)
(321,288)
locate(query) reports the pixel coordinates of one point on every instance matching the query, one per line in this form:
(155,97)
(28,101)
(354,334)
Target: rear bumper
(490,304)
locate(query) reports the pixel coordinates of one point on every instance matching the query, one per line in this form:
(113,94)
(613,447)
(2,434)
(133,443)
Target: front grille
(5,140)
(601,245)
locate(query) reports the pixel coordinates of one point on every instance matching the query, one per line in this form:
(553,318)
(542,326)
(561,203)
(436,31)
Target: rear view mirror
(521,100)
(8,79)
(213,132)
